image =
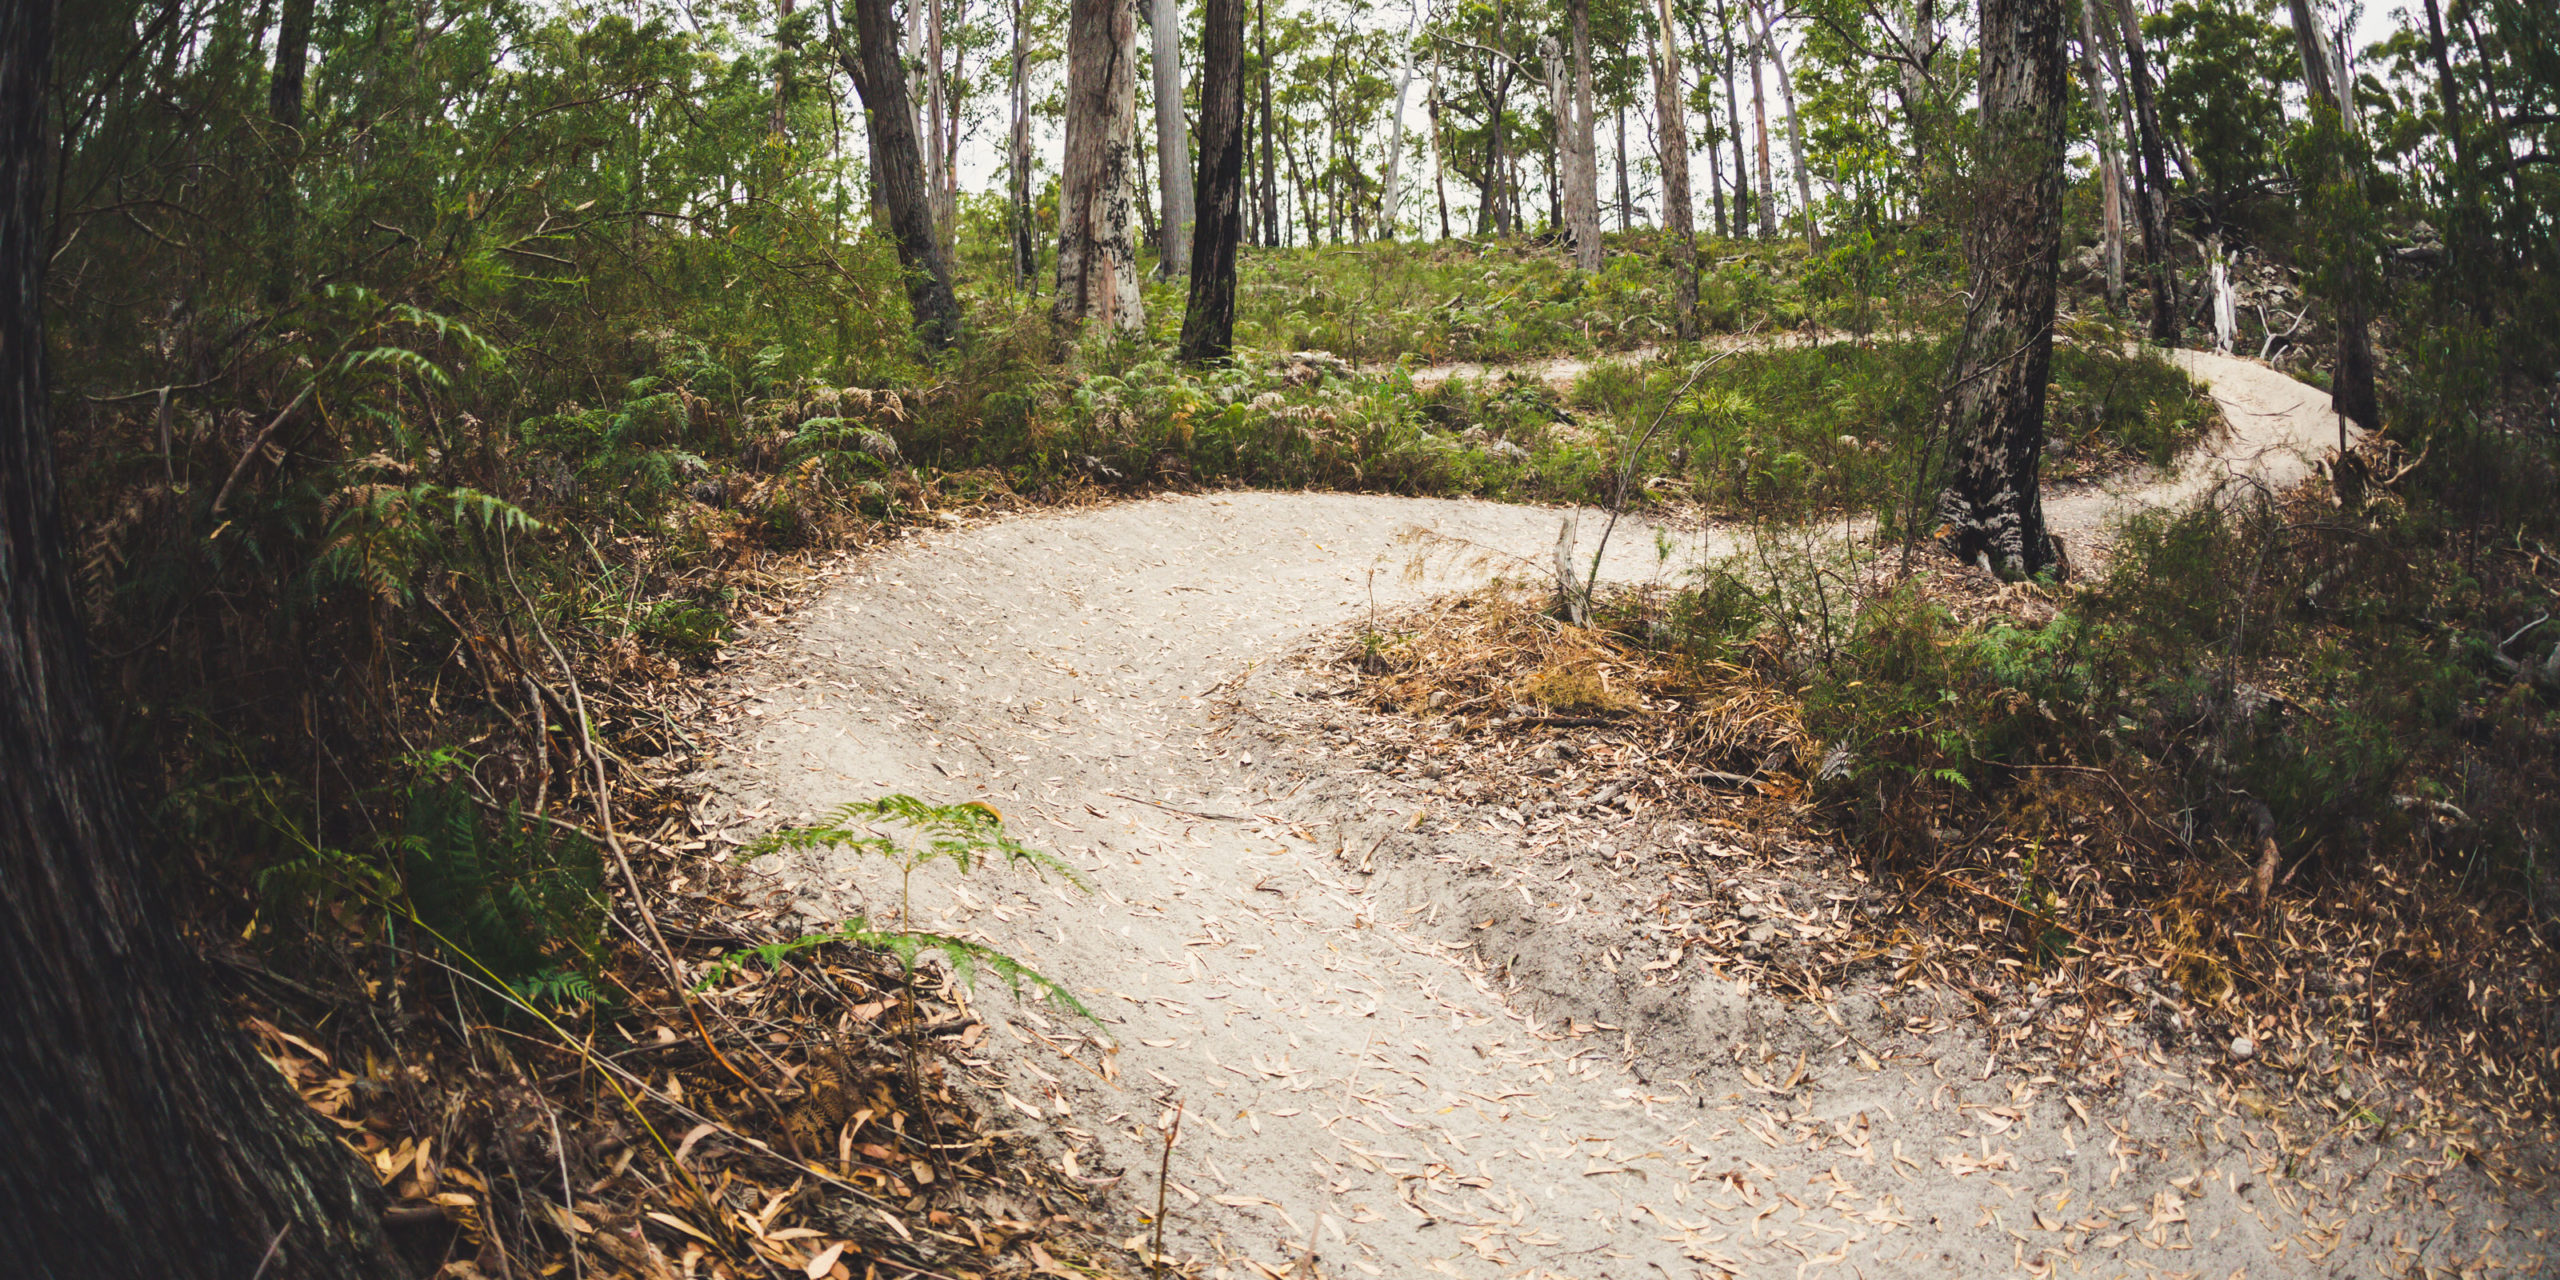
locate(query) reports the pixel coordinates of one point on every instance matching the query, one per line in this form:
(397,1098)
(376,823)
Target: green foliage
(514,897)
(920,834)
(2224,70)
(912,834)
(908,947)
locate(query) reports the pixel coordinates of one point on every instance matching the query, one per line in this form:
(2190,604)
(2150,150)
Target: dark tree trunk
(2351,390)
(284,114)
(1209,322)
(897,172)
(1993,508)
(1671,133)
(144,1134)
(1097,185)
(1626,197)
(2153,176)
(1026,248)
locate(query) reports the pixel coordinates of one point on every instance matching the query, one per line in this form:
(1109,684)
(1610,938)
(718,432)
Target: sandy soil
(1413,1039)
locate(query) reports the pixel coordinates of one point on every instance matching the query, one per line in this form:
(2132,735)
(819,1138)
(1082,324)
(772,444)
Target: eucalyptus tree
(1993,506)
(1575,145)
(2151,178)
(1671,135)
(1209,321)
(1489,44)
(2335,180)
(144,1126)
(1173,141)
(1795,125)
(2110,157)
(1097,183)
(898,170)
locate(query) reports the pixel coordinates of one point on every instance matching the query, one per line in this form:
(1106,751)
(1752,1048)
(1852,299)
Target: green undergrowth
(2276,725)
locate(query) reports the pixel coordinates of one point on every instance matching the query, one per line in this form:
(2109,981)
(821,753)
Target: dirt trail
(1443,1051)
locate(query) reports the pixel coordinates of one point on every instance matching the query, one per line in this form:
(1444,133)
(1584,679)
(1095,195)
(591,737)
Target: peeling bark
(1097,185)
(1671,133)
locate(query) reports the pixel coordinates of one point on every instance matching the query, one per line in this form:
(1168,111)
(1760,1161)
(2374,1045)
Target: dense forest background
(438,386)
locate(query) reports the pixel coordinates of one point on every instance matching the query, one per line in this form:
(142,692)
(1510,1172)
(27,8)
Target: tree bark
(941,166)
(284,114)
(1580,150)
(1671,133)
(1993,506)
(1173,142)
(897,170)
(2351,390)
(144,1132)
(2110,158)
(2153,175)
(1270,175)
(1795,130)
(1439,153)
(1391,202)
(1768,201)
(1209,321)
(1742,193)
(1626,198)
(1097,193)
(1026,247)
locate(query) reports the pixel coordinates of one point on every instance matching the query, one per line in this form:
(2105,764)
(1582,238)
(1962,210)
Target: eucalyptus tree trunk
(2110,158)
(284,116)
(1671,135)
(145,1135)
(1173,141)
(1270,175)
(1994,412)
(1026,249)
(1209,321)
(1742,194)
(1439,153)
(1097,184)
(1579,150)
(897,171)
(2351,390)
(2152,181)
(1795,130)
(1626,198)
(940,164)
(1768,201)
(1392,197)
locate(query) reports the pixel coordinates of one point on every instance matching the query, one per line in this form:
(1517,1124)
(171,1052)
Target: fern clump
(517,900)
(911,834)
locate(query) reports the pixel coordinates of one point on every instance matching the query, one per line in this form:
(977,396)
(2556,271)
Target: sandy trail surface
(1415,1036)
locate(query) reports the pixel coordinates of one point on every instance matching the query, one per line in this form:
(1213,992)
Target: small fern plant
(911,834)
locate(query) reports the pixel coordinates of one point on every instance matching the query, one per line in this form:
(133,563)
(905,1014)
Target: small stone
(2243,1048)
(1749,911)
(1439,698)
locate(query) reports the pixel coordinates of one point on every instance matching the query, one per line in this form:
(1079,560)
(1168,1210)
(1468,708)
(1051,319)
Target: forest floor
(1413,1033)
